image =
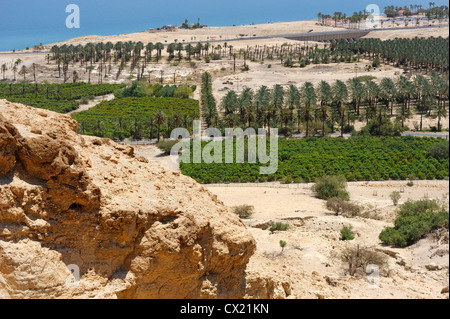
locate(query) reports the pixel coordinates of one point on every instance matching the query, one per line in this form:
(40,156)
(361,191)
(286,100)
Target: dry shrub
(358,258)
(342,207)
(244,211)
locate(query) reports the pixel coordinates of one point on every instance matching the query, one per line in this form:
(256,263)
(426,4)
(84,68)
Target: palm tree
(388,93)
(119,127)
(337,16)
(23,71)
(179,47)
(403,114)
(177,119)
(148,51)
(160,119)
(208,102)
(246,106)
(293,99)
(100,128)
(277,102)
(90,68)
(159,47)
(118,47)
(229,103)
(262,101)
(340,96)
(4,68)
(405,90)
(198,49)
(424,105)
(14,70)
(325,96)
(189,50)
(440,112)
(372,94)
(309,100)
(319,16)
(137,128)
(171,49)
(357,93)
(230,120)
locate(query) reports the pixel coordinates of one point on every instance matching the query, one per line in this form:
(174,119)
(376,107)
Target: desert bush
(347,233)
(244,211)
(283,244)
(414,220)
(278,226)
(383,128)
(215,56)
(414,208)
(395,196)
(331,186)
(409,229)
(439,150)
(358,258)
(342,207)
(166,145)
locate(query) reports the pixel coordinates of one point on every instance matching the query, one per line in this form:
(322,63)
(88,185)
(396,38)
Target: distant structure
(349,35)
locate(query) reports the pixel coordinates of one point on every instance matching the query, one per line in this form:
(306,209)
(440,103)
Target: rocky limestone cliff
(130,228)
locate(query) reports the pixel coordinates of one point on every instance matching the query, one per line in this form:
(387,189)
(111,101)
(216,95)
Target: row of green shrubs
(361,158)
(414,220)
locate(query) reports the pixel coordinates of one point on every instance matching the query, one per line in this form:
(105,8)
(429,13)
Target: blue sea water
(30,22)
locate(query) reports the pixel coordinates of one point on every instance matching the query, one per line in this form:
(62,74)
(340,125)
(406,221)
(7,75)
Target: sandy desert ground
(310,262)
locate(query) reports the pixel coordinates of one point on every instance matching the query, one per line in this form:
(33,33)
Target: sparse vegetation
(414,220)
(342,207)
(166,145)
(244,211)
(395,196)
(283,244)
(358,258)
(278,226)
(347,233)
(327,187)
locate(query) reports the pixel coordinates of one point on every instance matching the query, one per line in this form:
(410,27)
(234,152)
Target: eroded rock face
(8,135)
(130,228)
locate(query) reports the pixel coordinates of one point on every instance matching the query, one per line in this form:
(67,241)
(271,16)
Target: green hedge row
(356,158)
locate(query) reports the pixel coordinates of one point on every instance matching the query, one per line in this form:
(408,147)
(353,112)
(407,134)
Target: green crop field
(358,159)
(61,98)
(136,113)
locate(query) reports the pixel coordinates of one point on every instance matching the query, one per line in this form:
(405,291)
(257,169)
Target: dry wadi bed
(310,258)
(309,265)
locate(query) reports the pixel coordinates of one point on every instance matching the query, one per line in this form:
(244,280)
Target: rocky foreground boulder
(73,206)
